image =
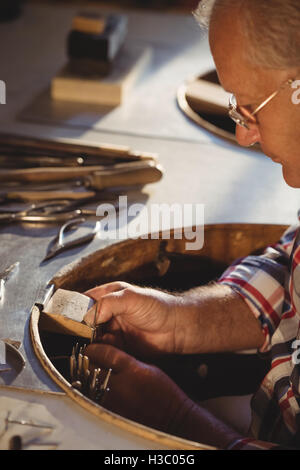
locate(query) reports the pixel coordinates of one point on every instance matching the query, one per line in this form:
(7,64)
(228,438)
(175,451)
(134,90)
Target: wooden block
(64,314)
(108,91)
(207,97)
(89,23)
(104,46)
(89,67)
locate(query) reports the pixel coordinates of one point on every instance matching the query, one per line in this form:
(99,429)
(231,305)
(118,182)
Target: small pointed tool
(6,275)
(74,363)
(93,383)
(85,374)
(97,330)
(103,389)
(73,368)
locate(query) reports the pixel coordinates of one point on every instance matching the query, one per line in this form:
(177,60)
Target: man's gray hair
(272,27)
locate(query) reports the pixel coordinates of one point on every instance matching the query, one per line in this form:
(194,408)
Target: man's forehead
(229,45)
(236,76)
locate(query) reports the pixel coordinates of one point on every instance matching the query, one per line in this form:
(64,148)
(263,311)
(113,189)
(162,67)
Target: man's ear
(247,137)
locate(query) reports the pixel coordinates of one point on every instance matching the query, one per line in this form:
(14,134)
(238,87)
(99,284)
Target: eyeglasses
(242,116)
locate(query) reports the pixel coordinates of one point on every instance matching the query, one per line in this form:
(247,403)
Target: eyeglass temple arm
(262,105)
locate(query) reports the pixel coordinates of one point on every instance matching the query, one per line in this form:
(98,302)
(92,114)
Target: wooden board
(105,91)
(64,314)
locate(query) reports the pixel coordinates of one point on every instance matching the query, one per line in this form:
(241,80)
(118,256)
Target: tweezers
(59,244)
(46,212)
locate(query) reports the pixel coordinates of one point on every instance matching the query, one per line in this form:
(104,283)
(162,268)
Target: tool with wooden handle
(136,174)
(51,148)
(23,160)
(123,177)
(33,196)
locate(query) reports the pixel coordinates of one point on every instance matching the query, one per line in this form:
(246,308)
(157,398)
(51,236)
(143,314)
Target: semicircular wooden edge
(197,119)
(223,242)
(137,429)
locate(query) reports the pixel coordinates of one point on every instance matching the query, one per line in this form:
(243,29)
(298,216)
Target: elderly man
(256,303)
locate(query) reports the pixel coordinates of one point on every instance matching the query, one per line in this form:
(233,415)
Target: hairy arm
(215,318)
(147,321)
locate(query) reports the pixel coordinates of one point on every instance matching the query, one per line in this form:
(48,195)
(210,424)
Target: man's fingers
(108,357)
(91,318)
(109,306)
(98,292)
(95,315)
(116,340)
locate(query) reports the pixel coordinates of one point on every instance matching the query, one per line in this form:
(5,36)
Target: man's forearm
(214,318)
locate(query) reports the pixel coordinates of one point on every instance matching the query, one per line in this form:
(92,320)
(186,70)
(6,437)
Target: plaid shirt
(270,285)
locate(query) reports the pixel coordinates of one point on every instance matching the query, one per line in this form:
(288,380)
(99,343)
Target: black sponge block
(102,47)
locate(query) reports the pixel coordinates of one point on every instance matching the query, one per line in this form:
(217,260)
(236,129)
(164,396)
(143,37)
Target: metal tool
(95,177)
(13,363)
(9,159)
(64,191)
(25,422)
(62,185)
(79,367)
(96,328)
(45,212)
(34,196)
(102,389)
(85,381)
(31,146)
(16,441)
(59,244)
(7,274)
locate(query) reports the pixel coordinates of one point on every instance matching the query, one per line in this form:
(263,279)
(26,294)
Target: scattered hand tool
(32,216)
(34,196)
(18,144)
(102,389)
(6,275)
(94,177)
(71,191)
(87,382)
(55,211)
(59,244)
(24,160)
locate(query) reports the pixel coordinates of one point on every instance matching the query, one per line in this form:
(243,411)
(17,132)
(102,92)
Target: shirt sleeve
(253,444)
(262,281)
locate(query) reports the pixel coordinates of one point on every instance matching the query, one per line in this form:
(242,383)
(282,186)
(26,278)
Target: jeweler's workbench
(235,185)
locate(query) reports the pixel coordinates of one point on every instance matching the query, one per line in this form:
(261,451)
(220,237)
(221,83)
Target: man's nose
(247,137)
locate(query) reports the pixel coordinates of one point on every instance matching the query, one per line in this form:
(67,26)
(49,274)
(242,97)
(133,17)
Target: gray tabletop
(235,185)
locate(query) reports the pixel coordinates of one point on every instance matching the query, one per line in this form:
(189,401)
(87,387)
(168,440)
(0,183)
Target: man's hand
(138,391)
(143,393)
(139,320)
(146,322)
